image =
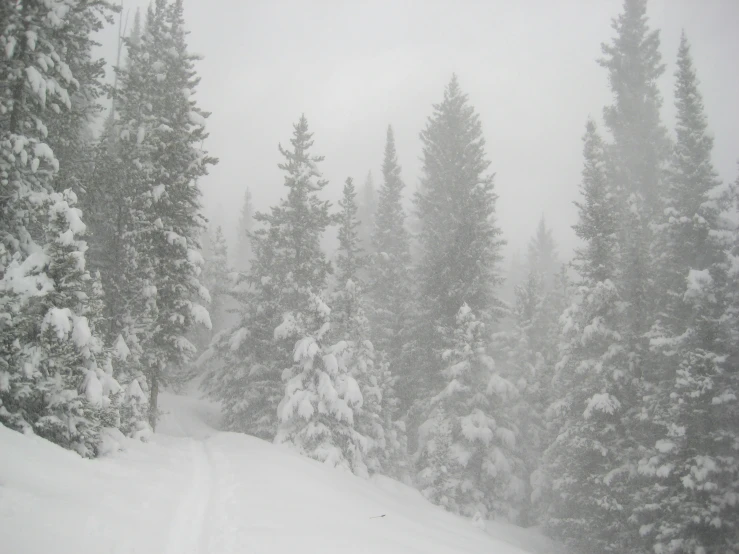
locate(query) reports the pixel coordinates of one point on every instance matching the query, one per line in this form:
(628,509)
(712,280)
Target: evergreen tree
(349,259)
(215,278)
(162,132)
(467,457)
(460,243)
(691,463)
(374,419)
(217,275)
(50,352)
(542,255)
(588,464)
(637,157)
(243,244)
(287,267)
(389,285)
(317,413)
(527,355)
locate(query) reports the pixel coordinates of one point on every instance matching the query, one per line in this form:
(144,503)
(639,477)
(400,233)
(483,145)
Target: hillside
(196,490)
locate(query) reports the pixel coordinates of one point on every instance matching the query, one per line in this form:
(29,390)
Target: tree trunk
(153,396)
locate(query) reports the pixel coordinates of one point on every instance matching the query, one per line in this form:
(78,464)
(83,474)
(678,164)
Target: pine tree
(389,284)
(243,244)
(287,267)
(374,419)
(691,464)
(215,278)
(317,413)
(349,260)
(460,243)
(542,254)
(588,465)
(50,353)
(637,157)
(162,130)
(469,463)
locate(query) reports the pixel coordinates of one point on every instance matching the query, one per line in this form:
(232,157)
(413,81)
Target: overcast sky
(528,66)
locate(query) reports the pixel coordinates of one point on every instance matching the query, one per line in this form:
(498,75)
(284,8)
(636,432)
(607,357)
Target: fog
(523,340)
(529,68)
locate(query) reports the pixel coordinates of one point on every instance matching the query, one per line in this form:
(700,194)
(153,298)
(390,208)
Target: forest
(593,397)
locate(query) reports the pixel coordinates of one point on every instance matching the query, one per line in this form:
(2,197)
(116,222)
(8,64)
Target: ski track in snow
(186,533)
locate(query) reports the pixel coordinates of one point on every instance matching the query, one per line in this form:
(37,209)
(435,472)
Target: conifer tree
(49,350)
(542,254)
(637,159)
(467,457)
(460,242)
(374,419)
(162,130)
(691,464)
(349,260)
(287,267)
(389,285)
(587,466)
(317,413)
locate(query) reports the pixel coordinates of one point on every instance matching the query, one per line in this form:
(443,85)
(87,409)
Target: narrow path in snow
(186,533)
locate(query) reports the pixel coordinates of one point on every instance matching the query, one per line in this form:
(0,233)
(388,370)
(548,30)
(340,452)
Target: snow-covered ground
(196,490)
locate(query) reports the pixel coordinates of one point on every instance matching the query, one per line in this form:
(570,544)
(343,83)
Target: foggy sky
(528,66)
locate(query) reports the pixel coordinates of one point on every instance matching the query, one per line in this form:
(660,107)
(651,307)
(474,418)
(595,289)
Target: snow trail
(186,532)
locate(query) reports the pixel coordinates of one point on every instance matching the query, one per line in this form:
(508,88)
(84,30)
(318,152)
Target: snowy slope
(196,490)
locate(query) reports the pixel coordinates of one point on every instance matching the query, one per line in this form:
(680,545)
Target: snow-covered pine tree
(587,466)
(690,468)
(243,243)
(374,419)
(527,354)
(70,131)
(162,131)
(317,413)
(287,266)
(350,260)
(637,158)
(459,240)
(467,459)
(389,277)
(50,352)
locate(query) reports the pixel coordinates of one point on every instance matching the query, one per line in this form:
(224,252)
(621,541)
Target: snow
(201,316)
(120,349)
(81,334)
(192,489)
(601,402)
(157,192)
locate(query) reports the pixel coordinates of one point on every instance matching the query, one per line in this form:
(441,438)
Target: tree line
(597,400)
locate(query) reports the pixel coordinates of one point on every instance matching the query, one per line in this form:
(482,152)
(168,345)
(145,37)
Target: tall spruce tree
(389,279)
(51,357)
(690,466)
(374,420)
(638,156)
(467,459)
(162,131)
(459,240)
(587,466)
(288,269)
